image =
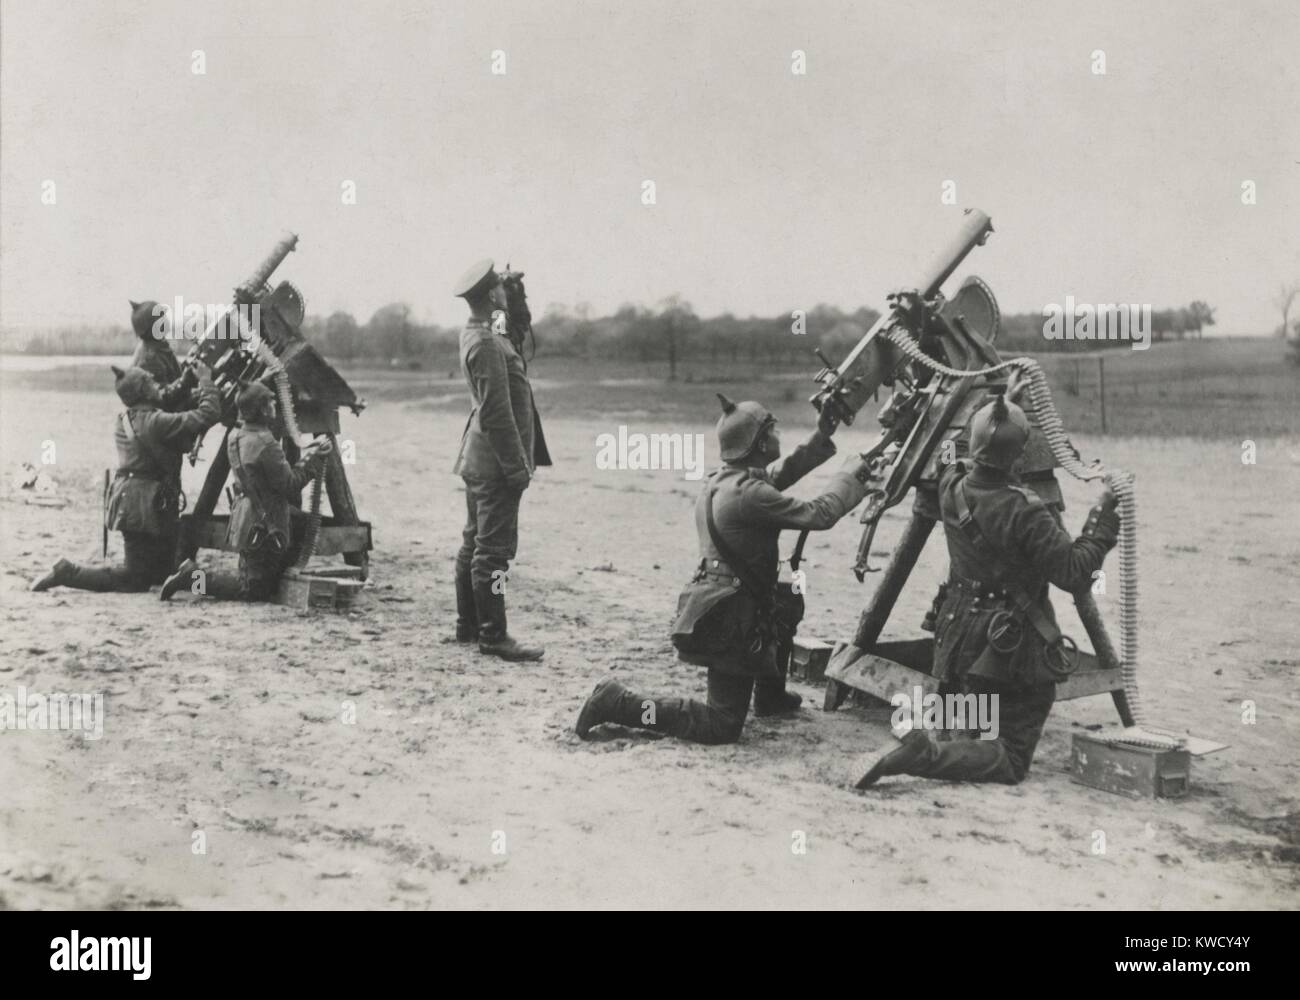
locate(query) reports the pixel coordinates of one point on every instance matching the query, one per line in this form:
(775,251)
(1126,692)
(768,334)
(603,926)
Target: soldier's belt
(718,570)
(1006,630)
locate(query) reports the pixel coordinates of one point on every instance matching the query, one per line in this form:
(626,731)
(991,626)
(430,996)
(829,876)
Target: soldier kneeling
(259,522)
(995,631)
(145,497)
(732,617)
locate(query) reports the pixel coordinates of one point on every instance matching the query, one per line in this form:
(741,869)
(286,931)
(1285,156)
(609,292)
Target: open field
(226,719)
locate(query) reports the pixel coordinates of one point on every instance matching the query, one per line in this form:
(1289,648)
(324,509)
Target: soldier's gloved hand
(203,373)
(519,480)
(318,448)
(858,467)
(1108,501)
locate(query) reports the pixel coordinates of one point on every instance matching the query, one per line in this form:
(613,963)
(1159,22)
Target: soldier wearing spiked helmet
(995,631)
(733,617)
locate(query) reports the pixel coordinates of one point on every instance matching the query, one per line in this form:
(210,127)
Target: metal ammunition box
(1137,772)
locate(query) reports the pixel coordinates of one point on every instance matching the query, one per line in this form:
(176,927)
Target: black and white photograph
(650,455)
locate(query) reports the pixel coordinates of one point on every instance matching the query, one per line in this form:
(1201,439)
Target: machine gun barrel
(225,344)
(874,359)
(252,287)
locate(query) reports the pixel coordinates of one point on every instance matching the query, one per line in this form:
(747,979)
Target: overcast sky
(774,191)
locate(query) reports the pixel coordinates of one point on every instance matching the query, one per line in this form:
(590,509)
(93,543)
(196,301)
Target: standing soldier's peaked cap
(478,278)
(998,434)
(740,427)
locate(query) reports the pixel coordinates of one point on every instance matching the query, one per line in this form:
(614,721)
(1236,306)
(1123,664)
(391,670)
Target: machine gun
(938,356)
(259,338)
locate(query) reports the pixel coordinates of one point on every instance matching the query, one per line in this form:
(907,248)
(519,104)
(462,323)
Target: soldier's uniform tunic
(501,447)
(143,501)
(1034,550)
(267,485)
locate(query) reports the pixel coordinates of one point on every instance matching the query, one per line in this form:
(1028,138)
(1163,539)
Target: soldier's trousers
(149,560)
(491,535)
(1022,712)
(259,575)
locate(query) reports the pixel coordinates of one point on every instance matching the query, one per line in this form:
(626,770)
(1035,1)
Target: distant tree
(1284,298)
(391,331)
(1199,315)
(678,322)
(341,336)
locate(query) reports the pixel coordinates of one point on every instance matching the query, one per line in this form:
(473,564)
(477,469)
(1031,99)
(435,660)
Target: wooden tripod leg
(342,506)
(881,605)
(186,541)
(1103,647)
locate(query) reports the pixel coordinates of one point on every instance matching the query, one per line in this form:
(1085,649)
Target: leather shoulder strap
(763,595)
(1050,633)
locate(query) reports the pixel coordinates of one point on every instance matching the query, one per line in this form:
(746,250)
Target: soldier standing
(499,451)
(732,617)
(145,498)
(152,324)
(259,523)
(995,631)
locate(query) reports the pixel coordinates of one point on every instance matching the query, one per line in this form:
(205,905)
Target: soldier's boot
(955,760)
(609,701)
(910,758)
(466,609)
(493,639)
(681,717)
(101,579)
(58,576)
(215,583)
(771,697)
(182,578)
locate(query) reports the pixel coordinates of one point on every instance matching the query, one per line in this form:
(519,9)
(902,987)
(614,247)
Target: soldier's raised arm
(1066,562)
(285,479)
(787,471)
(173,427)
(767,505)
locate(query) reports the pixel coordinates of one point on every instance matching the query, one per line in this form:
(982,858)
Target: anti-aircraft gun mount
(260,339)
(938,356)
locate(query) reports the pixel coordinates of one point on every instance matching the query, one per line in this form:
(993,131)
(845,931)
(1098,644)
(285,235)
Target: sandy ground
(460,784)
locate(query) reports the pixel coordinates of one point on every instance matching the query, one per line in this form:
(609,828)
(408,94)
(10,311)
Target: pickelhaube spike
(998,434)
(740,427)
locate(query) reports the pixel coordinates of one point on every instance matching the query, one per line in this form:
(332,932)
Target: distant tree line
(669,332)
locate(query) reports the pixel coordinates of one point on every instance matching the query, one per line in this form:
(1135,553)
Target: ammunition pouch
(932,616)
(142,503)
(170,500)
(736,625)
